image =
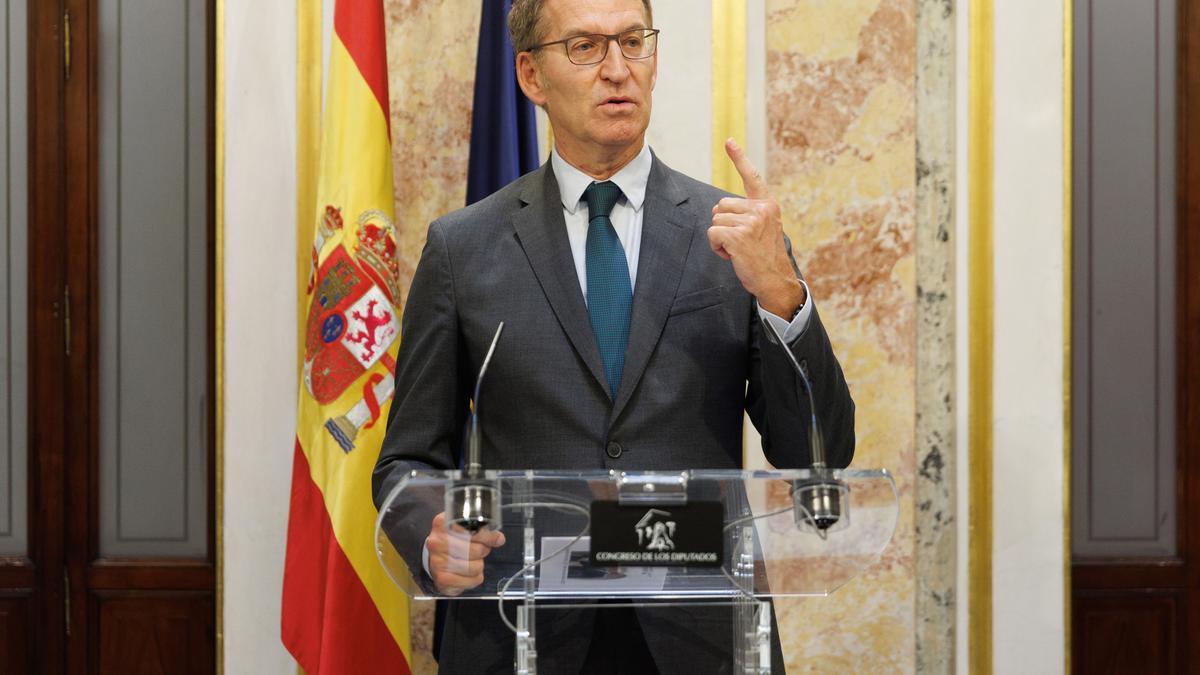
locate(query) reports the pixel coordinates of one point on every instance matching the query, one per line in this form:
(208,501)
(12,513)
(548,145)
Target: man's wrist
(787,301)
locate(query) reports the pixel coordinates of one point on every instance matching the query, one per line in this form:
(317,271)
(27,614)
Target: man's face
(604,106)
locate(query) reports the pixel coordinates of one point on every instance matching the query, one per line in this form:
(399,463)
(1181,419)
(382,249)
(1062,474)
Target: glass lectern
(728,537)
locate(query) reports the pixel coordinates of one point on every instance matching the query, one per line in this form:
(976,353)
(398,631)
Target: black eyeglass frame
(647,34)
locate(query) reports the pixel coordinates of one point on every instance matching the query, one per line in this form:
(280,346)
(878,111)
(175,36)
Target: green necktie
(609,293)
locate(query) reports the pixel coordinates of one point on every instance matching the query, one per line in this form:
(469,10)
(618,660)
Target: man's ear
(529,80)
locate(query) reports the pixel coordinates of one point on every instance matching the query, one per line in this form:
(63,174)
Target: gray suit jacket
(696,358)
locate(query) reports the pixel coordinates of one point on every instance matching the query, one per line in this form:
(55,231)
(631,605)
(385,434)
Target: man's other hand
(456,556)
(749,233)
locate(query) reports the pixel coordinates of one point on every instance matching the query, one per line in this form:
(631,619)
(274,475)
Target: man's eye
(583,46)
(634,42)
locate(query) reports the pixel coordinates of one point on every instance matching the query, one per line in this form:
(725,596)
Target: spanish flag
(341,613)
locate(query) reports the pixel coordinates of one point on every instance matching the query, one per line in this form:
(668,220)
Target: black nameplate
(689,535)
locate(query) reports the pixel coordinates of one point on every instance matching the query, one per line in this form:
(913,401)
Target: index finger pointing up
(756,187)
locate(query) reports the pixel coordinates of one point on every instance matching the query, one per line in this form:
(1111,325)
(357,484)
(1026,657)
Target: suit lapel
(542,233)
(665,242)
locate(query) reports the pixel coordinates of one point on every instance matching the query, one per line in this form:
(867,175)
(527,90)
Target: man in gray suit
(633,299)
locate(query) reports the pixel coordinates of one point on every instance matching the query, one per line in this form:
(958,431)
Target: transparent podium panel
(651,536)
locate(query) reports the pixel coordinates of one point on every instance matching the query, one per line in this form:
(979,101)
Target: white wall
(260,319)
(1028,556)
(681,124)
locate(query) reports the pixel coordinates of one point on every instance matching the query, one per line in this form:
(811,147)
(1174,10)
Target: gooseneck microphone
(471,502)
(817,500)
(474,466)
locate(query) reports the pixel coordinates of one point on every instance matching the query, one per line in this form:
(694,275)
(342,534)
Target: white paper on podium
(571,571)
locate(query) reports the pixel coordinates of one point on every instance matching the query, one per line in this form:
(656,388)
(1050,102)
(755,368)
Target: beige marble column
(935,519)
(841,116)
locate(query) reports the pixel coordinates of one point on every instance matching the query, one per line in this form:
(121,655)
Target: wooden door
(119,571)
(1136,590)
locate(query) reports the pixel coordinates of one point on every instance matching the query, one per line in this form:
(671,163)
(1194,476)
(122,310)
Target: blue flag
(503,126)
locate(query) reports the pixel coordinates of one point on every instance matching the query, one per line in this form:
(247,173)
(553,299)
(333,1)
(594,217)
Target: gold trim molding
(1068,306)
(219,319)
(979,316)
(728,88)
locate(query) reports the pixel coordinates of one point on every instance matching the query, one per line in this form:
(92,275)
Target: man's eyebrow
(575,32)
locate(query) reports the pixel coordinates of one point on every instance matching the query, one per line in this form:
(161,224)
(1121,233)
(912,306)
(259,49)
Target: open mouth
(617,103)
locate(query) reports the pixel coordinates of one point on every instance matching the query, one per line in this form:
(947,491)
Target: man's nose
(614,66)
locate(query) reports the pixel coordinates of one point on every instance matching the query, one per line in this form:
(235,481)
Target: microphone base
(473,506)
(821,503)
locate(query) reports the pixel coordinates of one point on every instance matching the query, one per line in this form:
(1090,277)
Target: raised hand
(456,556)
(749,233)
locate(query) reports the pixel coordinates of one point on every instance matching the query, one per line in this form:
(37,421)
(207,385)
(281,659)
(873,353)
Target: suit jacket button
(613,450)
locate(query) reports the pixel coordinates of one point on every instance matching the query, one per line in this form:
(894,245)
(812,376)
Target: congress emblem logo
(655,531)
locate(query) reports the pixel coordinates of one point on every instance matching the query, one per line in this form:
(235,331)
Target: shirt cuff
(791,331)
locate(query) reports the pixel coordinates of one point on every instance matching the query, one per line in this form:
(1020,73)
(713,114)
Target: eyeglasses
(586,50)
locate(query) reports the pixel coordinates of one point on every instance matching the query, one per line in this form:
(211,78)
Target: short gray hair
(525,23)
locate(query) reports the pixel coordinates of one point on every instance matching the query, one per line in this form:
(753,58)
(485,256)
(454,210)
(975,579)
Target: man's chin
(621,136)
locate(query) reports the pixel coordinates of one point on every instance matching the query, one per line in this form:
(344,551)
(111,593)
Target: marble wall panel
(431,80)
(841,145)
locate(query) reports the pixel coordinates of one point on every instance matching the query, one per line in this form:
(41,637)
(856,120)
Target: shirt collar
(632,179)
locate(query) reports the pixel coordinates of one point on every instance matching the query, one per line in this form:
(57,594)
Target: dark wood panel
(1127,633)
(80,121)
(16,653)
(152,575)
(48,418)
(1127,574)
(155,633)
(1188,312)
(16,573)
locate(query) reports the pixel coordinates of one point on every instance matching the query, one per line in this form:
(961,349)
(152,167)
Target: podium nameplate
(684,535)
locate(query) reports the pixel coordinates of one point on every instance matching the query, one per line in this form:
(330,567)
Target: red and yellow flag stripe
(341,613)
